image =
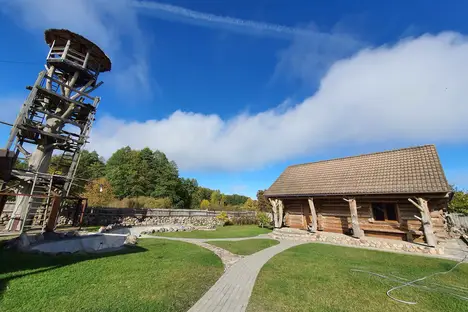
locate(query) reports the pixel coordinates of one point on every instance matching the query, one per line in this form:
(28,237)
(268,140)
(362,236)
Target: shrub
(263,219)
(223,217)
(243,220)
(164,202)
(142,202)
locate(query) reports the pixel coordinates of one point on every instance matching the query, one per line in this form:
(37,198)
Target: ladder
(39,201)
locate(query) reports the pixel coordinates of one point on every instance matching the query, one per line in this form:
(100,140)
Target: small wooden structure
(399,194)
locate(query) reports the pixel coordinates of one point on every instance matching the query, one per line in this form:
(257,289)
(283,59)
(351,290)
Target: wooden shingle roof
(402,171)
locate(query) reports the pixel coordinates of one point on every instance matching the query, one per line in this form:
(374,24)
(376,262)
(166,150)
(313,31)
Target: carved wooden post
(426,221)
(280,213)
(313,216)
(357,232)
(274,207)
(277,207)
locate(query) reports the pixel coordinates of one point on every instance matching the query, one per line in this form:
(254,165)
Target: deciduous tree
(215,198)
(205,204)
(98,192)
(263,204)
(250,204)
(459,202)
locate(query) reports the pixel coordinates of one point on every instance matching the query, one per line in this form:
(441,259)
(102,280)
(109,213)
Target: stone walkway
(231,293)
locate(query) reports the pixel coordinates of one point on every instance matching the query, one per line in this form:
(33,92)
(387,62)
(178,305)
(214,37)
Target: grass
(156,275)
(91,228)
(245,247)
(315,277)
(231,231)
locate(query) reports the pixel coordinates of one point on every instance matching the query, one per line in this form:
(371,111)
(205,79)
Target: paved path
(227,257)
(232,291)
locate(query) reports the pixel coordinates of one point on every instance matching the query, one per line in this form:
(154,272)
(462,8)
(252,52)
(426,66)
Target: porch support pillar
(357,232)
(277,207)
(313,216)
(426,221)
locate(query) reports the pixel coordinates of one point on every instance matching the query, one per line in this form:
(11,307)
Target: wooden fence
(458,220)
(143,212)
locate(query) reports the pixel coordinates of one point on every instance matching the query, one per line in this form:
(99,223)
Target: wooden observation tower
(55,120)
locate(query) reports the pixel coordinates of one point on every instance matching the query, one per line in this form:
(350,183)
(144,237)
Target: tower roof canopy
(80,44)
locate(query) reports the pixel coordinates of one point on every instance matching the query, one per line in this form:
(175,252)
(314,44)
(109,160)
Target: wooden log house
(400,194)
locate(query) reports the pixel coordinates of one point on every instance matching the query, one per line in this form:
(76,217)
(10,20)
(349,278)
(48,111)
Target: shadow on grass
(15,264)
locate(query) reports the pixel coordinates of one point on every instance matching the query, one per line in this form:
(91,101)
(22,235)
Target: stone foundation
(367,242)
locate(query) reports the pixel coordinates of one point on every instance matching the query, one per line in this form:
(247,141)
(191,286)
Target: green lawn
(156,275)
(245,247)
(230,231)
(316,277)
(91,228)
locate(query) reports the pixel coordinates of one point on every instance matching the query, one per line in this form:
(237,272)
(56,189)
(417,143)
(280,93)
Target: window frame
(397,212)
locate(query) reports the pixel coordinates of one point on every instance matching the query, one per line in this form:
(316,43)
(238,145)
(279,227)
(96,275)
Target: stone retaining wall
(137,217)
(368,242)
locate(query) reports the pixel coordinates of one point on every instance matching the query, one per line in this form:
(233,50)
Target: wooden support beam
(65,51)
(313,216)
(85,63)
(54,211)
(357,232)
(426,221)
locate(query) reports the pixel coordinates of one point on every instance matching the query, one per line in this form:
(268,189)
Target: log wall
(333,215)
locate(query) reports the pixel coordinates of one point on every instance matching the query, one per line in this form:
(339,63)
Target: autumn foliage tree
(205,204)
(98,192)
(250,204)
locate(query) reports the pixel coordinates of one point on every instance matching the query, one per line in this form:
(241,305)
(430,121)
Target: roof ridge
(361,155)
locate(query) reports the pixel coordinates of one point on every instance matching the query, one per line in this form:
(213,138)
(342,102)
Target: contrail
(191,15)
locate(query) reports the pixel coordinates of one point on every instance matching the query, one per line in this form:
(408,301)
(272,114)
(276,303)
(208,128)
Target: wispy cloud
(185,15)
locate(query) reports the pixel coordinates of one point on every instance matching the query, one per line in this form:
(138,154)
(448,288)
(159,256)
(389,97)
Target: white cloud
(412,92)
(108,25)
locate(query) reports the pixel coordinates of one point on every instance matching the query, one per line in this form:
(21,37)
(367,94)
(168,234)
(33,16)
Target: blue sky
(235,91)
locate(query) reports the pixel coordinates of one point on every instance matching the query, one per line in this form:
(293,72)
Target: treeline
(145,179)
(459,202)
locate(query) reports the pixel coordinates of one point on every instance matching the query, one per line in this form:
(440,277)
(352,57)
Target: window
(384,211)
